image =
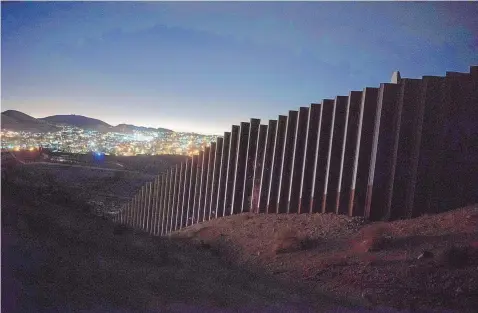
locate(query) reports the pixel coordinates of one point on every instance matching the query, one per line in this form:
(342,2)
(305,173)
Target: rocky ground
(430,262)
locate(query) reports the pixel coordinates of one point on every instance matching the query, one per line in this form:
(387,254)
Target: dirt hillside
(430,262)
(58,257)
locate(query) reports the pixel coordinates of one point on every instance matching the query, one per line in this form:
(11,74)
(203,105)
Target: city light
(75,140)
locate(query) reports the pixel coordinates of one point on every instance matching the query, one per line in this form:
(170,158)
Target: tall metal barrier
(397,151)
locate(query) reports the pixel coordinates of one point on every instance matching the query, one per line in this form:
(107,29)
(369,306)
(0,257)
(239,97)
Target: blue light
(98,156)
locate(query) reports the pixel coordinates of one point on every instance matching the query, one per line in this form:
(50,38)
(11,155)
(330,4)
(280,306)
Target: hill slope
(78,121)
(18,121)
(56,257)
(128,129)
(382,263)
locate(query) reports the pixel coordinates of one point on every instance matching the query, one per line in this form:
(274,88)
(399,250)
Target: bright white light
(141,137)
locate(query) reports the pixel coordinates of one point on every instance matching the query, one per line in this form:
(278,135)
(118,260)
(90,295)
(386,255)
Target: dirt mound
(422,263)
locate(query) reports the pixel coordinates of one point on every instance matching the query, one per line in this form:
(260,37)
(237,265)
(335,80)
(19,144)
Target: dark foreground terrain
(59,257)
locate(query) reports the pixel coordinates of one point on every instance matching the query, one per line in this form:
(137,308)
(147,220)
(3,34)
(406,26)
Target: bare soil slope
(430,262)
(57,257)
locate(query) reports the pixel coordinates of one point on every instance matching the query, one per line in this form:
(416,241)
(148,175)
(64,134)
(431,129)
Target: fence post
(147,206)
(209,179)
(321,157)
(463,152)
(139,207)
(314,119)
(293,197)
(129,216)
(192,189)
(155,213)
(215,177)
(279,139)
(257,168)
(172,200)
(162,193)
(328,153)
(222,180)
(152,209)
(353,118)
(250,163)
(410,108)
(231,165)
(184,204)
(266,170)
(167,190)
(203,181)
(456,156)
(143,206)
(180,193)
(197,189)
(384,156)
(363,151)
(335,154)
(430,149)
(121,212)
(134,210)
(239,171)
(286,166)
(471,196)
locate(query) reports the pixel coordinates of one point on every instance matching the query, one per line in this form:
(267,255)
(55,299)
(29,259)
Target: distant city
(72,139)
(77,140)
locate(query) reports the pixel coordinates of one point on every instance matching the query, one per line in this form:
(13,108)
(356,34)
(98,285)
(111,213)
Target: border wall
(395,151)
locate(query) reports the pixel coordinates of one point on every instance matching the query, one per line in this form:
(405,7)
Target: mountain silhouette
(18,121)
(79,121)
(127,128)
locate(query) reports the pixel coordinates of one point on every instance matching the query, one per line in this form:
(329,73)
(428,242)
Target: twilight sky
(203,66)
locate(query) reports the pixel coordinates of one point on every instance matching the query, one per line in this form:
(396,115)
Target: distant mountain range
(18,121)
(77,121)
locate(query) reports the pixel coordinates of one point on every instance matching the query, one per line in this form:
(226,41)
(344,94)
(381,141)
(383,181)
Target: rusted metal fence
(397,151)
